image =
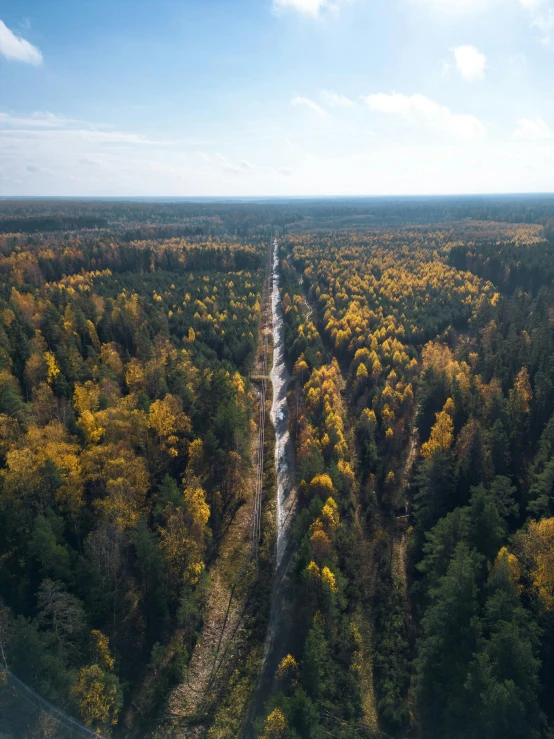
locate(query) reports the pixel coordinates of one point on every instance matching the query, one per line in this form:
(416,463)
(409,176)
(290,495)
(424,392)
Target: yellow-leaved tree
(184,534)
(125,479)
(442,433)
(275,725)
(33,455)
(97,690)
(169,425)
(538,548)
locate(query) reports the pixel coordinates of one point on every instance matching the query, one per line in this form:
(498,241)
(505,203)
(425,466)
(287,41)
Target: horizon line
(280,197)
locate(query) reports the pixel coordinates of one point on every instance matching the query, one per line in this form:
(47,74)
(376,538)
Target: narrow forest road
(284,449)
(280,619)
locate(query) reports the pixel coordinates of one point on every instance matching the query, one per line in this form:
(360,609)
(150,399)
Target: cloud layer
(49,154)
(420,110)
(17,49)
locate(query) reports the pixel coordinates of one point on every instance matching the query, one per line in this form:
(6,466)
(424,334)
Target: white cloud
(99,137)
(545,23)
(220,161)
(470,63)
(40,119)
(335,99)
(533,129)
(49,164)
(306,102)
(88,162)
(420,110)
(225,164)
(306,7)
(56,154)
(532,4)
(459,7)
(541,16)
(16,48)
(310,8)
(50,126)
(540,13)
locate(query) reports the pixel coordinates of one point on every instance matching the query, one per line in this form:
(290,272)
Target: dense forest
(135,453)
(125,447)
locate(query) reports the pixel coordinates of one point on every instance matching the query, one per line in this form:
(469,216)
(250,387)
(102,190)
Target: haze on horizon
(276,97)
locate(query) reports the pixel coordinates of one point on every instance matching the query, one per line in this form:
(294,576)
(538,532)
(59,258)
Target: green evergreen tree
(451,630)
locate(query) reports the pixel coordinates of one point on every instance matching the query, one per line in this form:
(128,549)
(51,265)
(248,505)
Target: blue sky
(276,97)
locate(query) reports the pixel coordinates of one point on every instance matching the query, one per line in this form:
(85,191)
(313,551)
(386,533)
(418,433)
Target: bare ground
(400,539)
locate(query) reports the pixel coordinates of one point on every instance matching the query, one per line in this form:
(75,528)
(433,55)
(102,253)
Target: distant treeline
(247,219)
(36,224)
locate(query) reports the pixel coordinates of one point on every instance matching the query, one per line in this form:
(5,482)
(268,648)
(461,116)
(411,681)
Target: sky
(276,97)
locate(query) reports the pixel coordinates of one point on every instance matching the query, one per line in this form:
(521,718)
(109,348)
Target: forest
(140,483)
